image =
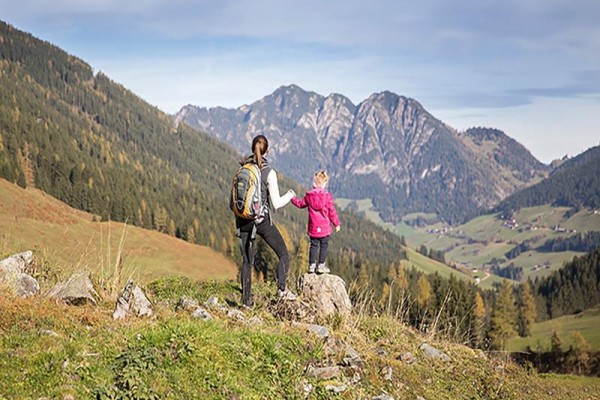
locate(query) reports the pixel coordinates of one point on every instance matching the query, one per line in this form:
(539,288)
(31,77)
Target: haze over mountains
(387,148)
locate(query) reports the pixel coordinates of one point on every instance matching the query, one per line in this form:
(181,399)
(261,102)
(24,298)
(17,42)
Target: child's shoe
(322,269)
(311,268)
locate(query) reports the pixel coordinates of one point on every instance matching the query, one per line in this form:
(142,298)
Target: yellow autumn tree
(479,312)
(527,310)
(424,292)
(504,317)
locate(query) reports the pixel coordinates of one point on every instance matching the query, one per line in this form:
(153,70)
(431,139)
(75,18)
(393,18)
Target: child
(321,214)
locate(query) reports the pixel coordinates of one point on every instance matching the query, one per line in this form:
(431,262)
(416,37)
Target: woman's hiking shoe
(286,295)
(311,268)
(322,269)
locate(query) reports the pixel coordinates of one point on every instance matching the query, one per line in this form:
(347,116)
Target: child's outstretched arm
(333,216)
(300,203)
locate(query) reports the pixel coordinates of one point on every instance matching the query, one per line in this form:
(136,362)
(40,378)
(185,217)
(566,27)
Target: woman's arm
(277,201)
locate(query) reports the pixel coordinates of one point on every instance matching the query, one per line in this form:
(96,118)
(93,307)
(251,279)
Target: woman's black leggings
(270,234)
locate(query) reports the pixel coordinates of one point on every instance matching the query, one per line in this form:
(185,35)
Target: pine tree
(503,317)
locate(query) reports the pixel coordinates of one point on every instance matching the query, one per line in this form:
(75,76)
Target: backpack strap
(264,187)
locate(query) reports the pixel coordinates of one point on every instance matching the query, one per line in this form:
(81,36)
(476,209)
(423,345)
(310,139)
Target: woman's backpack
(245,200)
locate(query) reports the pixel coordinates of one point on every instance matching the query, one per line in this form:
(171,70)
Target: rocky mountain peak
(387,148)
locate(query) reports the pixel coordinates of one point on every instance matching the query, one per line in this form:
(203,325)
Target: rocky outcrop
(13,274)
(326,293)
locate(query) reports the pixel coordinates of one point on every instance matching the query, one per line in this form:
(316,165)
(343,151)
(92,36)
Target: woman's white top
(277,201)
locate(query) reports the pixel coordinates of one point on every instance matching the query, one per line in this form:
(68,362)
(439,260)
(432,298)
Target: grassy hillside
(63,236)
(587,323)
(52,350)
(429,266)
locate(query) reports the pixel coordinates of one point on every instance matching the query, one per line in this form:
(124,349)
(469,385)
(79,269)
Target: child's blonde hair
(320,179)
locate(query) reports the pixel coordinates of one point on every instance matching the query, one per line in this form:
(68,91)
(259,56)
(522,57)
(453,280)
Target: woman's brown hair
(260,145)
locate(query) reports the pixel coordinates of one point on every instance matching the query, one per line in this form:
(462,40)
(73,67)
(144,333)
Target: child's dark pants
(315,245)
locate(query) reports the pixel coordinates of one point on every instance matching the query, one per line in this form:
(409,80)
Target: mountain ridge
(388,147)
(575,183)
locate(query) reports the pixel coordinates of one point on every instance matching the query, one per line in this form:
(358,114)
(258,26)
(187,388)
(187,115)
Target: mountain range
(388,148)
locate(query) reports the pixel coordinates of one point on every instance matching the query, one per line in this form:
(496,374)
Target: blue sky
(530,68)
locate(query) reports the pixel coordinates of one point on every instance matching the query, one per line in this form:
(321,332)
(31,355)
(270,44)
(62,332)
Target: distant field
(415,259)
(33,220)
(484,238)
(364,207)
(426,264)
(586,323)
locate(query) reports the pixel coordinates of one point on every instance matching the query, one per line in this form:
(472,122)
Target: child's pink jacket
(321,212)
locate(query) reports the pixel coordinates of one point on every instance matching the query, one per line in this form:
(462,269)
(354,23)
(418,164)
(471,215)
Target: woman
(263,226)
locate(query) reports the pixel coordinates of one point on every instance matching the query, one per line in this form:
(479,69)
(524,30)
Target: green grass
(429,266)
(413,216)
(173,356)
(584,220)
(555,261)
(587,323)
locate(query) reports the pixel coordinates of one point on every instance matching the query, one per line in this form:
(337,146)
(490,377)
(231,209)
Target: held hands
(337,228)
(291,191)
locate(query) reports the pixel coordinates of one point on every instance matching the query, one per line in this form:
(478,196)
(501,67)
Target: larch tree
(504,317)
(479,312)
(527,310)
(424,292)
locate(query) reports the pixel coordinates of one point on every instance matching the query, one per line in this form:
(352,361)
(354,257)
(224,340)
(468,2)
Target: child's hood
(317,199)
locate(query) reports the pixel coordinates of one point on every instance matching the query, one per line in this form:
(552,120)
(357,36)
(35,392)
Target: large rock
(77,290)
(22,285)
(13,276)
(327,293)
(17,262)
(132,301)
